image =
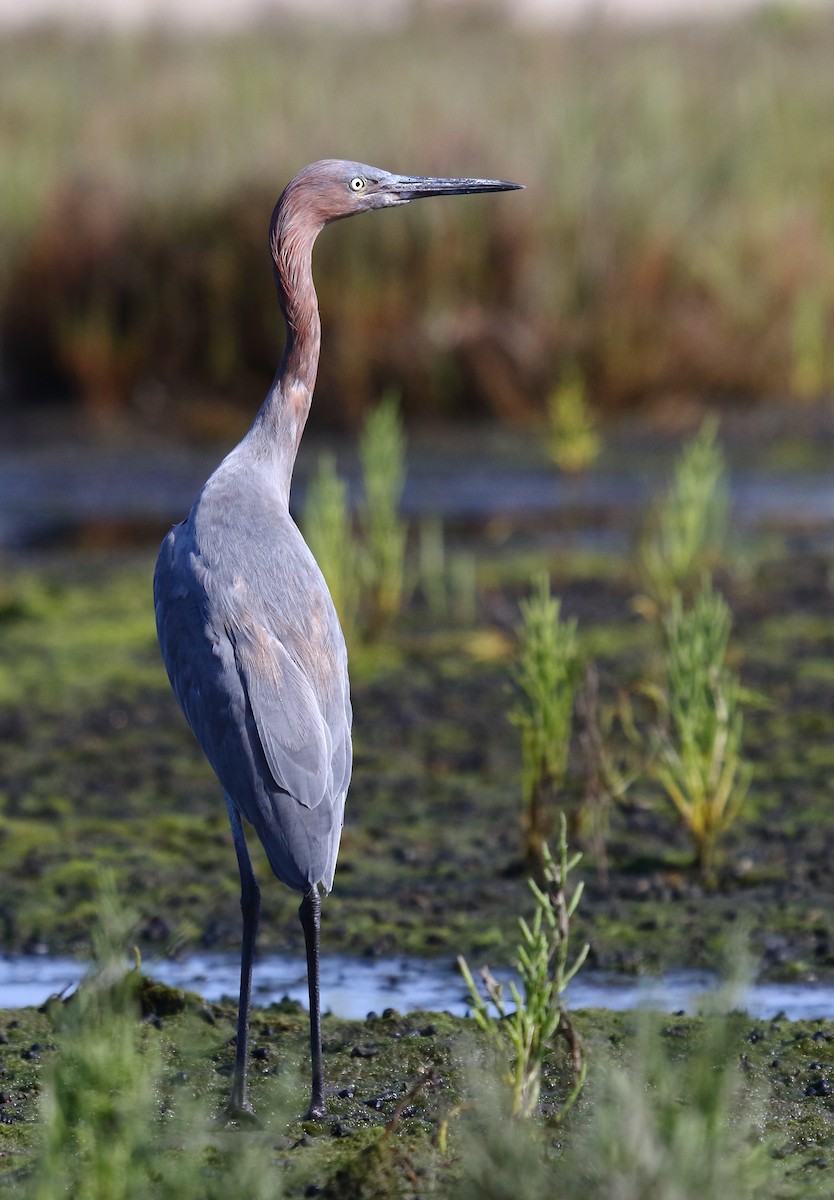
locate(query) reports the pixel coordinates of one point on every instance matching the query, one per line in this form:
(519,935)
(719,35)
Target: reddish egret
(247,628)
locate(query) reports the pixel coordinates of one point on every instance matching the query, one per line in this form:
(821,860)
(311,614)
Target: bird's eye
(357,184)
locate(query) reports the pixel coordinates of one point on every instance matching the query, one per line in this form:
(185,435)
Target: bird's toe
(242,1114)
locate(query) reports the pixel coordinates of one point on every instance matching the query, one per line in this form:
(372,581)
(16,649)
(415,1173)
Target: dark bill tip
(414,189)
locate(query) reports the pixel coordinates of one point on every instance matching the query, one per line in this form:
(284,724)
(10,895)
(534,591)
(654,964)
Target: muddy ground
(97,767)
(408,1106)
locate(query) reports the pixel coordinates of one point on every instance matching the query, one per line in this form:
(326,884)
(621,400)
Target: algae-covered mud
(97,767)
(409,1098)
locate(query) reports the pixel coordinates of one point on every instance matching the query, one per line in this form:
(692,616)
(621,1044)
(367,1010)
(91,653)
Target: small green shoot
(809,343)
(382,454)
(684,533)
(700,760)
(329,534)
(448,582)
(546,674)
(539,1016)
(572,436)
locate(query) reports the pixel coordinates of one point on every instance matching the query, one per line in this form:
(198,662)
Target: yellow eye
(357,184)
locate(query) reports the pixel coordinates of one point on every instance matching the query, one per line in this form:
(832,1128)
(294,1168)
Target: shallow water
(53,493)
(351,988)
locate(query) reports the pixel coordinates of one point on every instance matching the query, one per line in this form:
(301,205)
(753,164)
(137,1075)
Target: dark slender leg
(310,913)
(250,906)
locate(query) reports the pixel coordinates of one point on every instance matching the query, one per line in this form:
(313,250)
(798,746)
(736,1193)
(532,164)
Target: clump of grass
(539,1016)
(678,1119)
(670,1128)
(329,533)
(546,674)
(685,530)
(700,761)
(382,455)
(573,440)
(102,1098)
(98,1101)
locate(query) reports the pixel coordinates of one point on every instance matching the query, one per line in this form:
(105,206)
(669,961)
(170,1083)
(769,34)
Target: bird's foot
(241,1112)
(317,1109)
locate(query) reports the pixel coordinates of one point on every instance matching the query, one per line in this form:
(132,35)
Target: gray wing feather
(221,663)
(296,741)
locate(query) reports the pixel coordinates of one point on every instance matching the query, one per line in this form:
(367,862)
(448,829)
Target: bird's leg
(310,913)
(239,1106)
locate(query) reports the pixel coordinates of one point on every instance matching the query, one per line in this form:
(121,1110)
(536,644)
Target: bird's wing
(296,740)
(222,648)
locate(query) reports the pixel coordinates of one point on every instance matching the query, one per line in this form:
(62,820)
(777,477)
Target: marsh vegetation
(674,239)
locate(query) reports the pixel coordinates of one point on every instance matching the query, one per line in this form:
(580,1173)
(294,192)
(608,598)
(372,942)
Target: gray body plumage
(257,660)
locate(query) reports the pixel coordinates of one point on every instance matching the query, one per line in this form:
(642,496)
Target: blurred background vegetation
(676,238)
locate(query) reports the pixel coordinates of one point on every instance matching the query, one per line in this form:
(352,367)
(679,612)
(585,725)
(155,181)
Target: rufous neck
(284,413)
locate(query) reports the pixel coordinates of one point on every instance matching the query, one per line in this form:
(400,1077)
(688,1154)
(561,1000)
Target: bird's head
(332,188)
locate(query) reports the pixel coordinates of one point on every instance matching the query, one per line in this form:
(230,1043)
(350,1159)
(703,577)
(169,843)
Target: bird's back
(257,660)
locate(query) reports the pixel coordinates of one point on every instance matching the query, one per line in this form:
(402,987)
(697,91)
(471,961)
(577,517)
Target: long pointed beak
(414,188)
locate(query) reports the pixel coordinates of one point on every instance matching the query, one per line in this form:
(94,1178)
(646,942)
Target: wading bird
(248,631)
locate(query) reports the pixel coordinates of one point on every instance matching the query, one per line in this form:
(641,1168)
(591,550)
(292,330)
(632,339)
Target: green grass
(382,453)
(538,1017)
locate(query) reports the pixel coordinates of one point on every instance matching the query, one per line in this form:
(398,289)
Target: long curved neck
(283,415)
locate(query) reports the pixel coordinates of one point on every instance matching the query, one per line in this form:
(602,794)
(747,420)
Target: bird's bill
(406,188)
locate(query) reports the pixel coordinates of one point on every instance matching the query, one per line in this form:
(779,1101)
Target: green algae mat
(97,768)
